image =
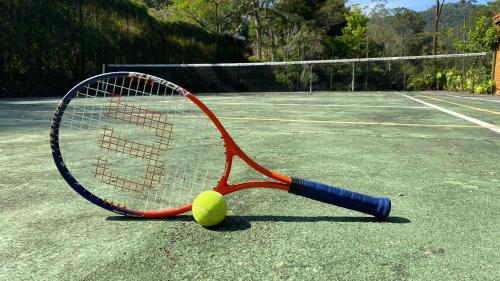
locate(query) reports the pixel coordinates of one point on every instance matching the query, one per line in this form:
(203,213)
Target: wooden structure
(496,70)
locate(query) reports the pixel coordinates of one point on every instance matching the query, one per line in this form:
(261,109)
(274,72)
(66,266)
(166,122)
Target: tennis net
(360,74)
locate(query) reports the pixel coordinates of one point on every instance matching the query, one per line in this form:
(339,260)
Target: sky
(417,5)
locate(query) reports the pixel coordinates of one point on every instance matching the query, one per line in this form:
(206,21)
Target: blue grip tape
(378,207)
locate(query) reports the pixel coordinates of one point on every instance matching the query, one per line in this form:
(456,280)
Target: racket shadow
(318,219)
(138,219)
(238,223)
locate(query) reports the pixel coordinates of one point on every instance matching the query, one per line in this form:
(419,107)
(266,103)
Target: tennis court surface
(435,155)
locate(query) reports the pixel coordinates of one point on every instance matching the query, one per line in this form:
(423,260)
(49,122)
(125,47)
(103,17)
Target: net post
(366,76)
(310,79)
(331,78)
(404,75)
(352,81)
(463,74)
(103,68)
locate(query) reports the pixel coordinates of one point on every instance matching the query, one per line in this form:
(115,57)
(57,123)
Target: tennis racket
(141,146)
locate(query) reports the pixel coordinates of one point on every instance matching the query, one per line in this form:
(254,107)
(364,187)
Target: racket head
(138,145)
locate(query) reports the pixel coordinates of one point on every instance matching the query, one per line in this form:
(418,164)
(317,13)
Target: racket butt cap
(384,208)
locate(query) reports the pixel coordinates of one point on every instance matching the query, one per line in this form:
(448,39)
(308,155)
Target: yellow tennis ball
(209,208)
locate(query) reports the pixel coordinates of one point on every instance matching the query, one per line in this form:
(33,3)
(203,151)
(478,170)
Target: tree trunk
(217,24)
(439,9)
(81,64)
(257,30)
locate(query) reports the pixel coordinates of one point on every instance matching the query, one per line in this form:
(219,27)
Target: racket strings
(197,173)
(141,143)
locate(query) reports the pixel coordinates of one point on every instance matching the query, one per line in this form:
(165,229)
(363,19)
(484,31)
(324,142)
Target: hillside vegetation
(47,46)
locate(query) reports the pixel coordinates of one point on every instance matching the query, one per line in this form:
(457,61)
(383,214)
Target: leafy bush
(423,80)
(454,81)
(475,79)
(286,77)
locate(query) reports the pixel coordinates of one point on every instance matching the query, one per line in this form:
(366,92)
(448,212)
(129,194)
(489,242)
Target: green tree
(406,23)
(220,16)
(398,31)
(482,36)
(380,34)
(295,29)
(355,32)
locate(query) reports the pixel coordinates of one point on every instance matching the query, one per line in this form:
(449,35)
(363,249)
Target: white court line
(333,122)
(287,97)
(471,98)
(13,188)
(456,114)
(20,110)
(6,120)
(281,132)
(314,105)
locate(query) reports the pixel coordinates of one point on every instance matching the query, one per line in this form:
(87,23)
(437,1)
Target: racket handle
(378,207)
